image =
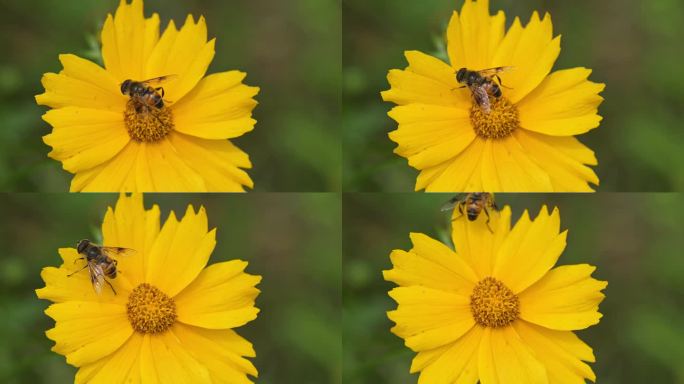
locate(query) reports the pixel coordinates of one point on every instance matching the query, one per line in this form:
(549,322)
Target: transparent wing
(160,80)
(453,202)
(117,251)
(97,276)
(481,98)
(489,72)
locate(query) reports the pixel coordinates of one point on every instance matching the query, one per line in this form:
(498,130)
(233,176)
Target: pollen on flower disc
(147,124)
(499,123)
(150,310)
(493,304)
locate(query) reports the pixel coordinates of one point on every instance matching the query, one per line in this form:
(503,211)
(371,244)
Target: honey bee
(99,262)
(481,84)
(146,94)
(473,204)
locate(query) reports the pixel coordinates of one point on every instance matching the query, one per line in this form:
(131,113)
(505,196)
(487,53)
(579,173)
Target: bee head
(461,74)
(125,87)
(82,245)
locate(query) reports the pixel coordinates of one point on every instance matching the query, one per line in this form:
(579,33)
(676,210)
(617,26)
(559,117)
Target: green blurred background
(291,49)
(633,239)
(633,46)
(292,240)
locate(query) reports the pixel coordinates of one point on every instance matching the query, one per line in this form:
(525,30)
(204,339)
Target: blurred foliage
(289,49)
(633,46)
(633,239)
(292,241)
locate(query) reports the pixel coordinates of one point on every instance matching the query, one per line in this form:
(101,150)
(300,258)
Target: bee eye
(460,75)
(124,86)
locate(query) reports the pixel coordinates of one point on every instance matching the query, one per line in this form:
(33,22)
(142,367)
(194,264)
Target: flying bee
(100,262)
(473,204)
(146,94)
(481,84)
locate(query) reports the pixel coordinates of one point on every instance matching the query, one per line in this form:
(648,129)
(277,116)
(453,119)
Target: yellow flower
(494,310)
(526,143)
(171,318)
(110,145)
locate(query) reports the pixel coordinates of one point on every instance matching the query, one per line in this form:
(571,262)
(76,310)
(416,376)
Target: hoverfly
(473,204)
(100,262)
(146,94)
(481,84)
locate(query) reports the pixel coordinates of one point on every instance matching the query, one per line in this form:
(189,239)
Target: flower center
(500,122)
(493,304)
(147,124)
(150,310)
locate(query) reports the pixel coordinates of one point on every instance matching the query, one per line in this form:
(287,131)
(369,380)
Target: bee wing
(118,251)
(97,276)
(160,79)
(489,72)
(452,203)
(481,98)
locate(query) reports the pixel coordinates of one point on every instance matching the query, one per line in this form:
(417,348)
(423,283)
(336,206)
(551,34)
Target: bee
(481,84)
(99,262)
(146,94)
(473,204)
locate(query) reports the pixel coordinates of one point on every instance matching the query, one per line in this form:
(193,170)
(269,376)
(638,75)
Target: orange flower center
(499,123)
(150,310)
(147,124)
(493,304)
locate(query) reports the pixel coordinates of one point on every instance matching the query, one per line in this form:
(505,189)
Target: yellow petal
(221,297)
(185,53)
(164,359)
(129,225)
(567,298)
(64,91)
(112,176)
(214,348)
(169,170)
(504,358)
(180,252)
(562,158)
(122,366)
(463,172)
(428,135)
(458,363)
(87,331)
(431,264)
(477,242)
(530,250)
(217,161)
(429,318)
(84,138)
(219,107)
(426,80)
(560,351)
(516,170)
(473,36)
(431,67)
(59,287)
(532,51)
(127,39)
(565,103)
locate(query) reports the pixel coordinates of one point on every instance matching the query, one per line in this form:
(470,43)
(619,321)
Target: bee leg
(501,83)
(461,87)
(80,258)
(86,266)
(488,227)
(460,212)
(110,286)
(161,90)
